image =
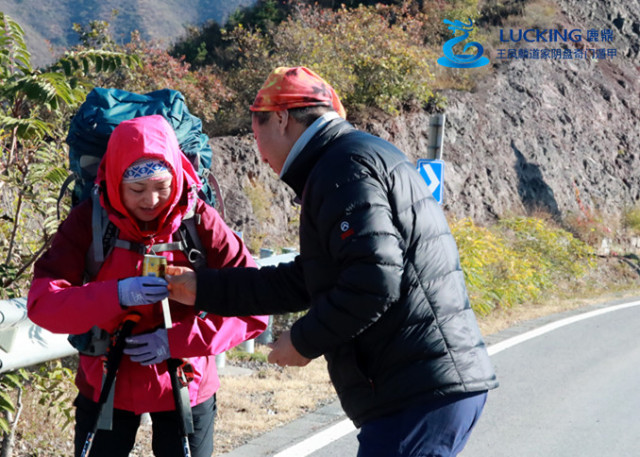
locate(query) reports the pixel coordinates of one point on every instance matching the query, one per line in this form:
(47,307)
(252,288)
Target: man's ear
(283,120)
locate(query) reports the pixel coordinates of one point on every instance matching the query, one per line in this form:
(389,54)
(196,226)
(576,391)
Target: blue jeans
(166,441)
(439,428)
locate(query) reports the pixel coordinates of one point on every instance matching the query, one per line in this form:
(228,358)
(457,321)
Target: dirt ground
(265,396)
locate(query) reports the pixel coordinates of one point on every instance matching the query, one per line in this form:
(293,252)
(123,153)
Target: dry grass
(502,319)
(612,279)
(271,396)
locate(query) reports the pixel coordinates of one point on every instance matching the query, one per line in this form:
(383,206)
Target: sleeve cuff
(206,279)
(300,343)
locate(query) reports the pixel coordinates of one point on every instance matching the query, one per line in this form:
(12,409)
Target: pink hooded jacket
(60,302)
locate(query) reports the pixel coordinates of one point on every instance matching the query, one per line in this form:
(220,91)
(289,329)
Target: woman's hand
(182,284)
(142,290)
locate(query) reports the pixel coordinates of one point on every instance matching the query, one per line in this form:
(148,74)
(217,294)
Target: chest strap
(140,248)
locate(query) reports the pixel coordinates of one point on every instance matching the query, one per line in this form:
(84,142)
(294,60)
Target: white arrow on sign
(434,182)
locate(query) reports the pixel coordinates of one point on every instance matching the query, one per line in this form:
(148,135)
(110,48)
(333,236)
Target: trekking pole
(183,406)
(114,358)
(154,265)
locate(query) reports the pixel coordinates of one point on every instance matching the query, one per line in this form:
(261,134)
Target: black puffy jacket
(380,273)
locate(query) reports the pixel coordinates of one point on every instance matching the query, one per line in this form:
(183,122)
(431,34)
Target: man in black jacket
(378,271)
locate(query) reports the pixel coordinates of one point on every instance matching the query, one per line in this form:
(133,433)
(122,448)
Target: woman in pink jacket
(147,186)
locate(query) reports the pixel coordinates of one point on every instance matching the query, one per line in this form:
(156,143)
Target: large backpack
(88,136)
(104,109)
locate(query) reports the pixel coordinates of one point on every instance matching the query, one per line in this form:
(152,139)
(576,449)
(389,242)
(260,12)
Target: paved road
(569,387)
(574,391)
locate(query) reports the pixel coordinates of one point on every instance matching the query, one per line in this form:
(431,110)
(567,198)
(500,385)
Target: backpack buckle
(194,255)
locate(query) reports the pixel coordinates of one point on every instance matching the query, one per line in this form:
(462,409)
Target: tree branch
(15,227)
(9,440)
(26,266)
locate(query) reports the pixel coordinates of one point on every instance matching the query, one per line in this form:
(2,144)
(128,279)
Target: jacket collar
(299,145)
(295,176)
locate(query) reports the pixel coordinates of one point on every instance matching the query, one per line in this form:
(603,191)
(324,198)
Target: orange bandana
(295,87)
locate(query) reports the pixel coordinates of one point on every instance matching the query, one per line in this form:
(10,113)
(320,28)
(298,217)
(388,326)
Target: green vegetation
(631,219)
(517,260)
(34,108)
(203,89)
(238,354)
(10,382)
(52,381)
(376,54)
(260,198)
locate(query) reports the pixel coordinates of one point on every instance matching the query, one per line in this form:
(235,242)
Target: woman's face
(145,200)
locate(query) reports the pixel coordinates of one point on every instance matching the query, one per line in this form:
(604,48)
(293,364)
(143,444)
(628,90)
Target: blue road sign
(432,171)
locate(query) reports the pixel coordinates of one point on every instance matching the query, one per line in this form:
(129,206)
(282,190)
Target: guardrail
(23,343)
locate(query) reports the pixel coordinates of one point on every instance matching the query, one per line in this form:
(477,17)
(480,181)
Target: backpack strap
(99,224)
(208,176)
(187,240)
(194,250)
(99,221)
(128,245)
(104,238)
(173,246)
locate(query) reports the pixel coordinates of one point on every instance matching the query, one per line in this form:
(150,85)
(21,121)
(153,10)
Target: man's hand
(284,354)
(182,284)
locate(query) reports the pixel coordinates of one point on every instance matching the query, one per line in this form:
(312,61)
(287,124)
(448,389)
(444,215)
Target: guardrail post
(266,337)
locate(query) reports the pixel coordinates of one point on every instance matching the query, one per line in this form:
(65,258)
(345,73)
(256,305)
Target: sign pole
(436,136)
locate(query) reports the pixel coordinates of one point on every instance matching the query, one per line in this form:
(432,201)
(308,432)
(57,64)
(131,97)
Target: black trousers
(166,440)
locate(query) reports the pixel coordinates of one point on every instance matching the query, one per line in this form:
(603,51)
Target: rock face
(560,137)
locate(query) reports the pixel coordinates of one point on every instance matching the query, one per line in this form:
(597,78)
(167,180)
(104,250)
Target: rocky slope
(555,136)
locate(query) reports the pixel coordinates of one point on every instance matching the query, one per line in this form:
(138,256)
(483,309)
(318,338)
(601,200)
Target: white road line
(506,344)
(319,440)
(342,428)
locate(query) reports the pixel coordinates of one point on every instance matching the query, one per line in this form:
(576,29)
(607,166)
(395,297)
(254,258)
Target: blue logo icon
(453,60)
(432,171)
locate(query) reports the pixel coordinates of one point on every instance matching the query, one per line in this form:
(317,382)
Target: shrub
(561,253)
(260,198)
(496,275)
(517,260)
(631,219)
(34,106)
(588,226)
(369,59)
(367,54)
(434,30)
(202,88)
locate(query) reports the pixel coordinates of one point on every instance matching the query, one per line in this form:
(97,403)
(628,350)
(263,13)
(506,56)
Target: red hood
(148,137)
